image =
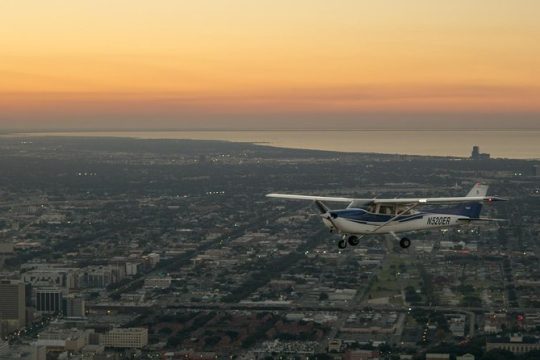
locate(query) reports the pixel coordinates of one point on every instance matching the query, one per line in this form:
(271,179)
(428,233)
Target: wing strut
(325,213)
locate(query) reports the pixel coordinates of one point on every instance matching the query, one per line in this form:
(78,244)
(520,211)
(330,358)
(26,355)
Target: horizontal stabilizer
(481,220)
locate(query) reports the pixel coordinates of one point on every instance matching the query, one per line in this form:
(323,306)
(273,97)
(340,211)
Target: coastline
(513,144)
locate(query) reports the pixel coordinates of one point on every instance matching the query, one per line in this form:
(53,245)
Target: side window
(387,210)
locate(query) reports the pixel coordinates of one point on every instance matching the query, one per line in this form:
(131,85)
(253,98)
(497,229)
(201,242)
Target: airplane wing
(309,197)
(441,200)
(408,201)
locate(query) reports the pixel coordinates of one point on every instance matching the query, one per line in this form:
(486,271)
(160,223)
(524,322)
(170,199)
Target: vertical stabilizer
(478,190)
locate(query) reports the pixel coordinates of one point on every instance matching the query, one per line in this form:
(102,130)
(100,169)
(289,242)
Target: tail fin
(478,190)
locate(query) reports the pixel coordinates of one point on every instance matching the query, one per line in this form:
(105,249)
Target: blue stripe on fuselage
(362,216)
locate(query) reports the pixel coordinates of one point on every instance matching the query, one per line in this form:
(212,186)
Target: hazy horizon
(506,123)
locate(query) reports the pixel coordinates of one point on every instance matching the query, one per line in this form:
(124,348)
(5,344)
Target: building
(465,357)
(362,355)
(7,248)
(493,322)
(132,268)
(55,339)
(50,276)
(4,349)
(126,338)
(74,307)
(456,323)
(152,259)
(516,345)
(434,356)
(93,351)
(158,282)
(22,351)
(49,300)
(477,155)
(39,352)
(12,306)
(334,345)
(97,277)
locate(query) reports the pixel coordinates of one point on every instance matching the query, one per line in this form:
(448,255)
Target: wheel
(353,240)
(405,242)
(342,244)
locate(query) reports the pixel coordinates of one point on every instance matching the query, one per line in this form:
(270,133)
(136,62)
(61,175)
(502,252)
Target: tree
(498,354)
(165,331)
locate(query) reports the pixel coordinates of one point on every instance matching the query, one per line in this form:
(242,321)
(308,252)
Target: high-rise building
(74,306)
(98,276)
(12,305)
(477,155)
(49,300)
(475,152)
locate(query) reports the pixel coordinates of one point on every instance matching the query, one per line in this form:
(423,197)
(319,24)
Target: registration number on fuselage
(438,220)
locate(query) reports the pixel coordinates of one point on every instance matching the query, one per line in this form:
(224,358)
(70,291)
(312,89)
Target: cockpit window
(393,209)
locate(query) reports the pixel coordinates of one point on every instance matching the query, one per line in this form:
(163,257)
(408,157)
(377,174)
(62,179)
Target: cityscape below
(125,248)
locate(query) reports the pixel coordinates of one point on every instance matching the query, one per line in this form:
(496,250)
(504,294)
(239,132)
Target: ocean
(518,144)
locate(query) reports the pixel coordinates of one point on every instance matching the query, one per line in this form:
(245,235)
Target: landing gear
(353,240)
(405,242)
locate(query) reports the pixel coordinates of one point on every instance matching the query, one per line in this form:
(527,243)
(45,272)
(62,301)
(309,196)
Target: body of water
(518,144)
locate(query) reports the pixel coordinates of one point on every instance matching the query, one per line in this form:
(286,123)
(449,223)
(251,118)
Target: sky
(238,64)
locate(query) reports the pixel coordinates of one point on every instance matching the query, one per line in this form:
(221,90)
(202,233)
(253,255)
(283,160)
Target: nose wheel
(342,244)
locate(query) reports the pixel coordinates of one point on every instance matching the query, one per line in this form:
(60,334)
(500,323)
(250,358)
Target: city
(116,248)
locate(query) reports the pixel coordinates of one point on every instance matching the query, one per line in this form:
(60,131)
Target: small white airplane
(391,216)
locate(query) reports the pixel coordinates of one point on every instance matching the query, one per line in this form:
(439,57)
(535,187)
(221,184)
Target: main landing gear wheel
(405,243)
(353,240)
(342,244)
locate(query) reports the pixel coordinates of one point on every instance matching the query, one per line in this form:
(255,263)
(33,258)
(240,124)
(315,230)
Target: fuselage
(360,221)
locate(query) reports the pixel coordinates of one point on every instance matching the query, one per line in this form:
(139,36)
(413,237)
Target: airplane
(390,216)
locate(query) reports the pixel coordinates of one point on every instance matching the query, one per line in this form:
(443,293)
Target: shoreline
(311,144)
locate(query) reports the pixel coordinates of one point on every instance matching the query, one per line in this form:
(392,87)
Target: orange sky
(199,64)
